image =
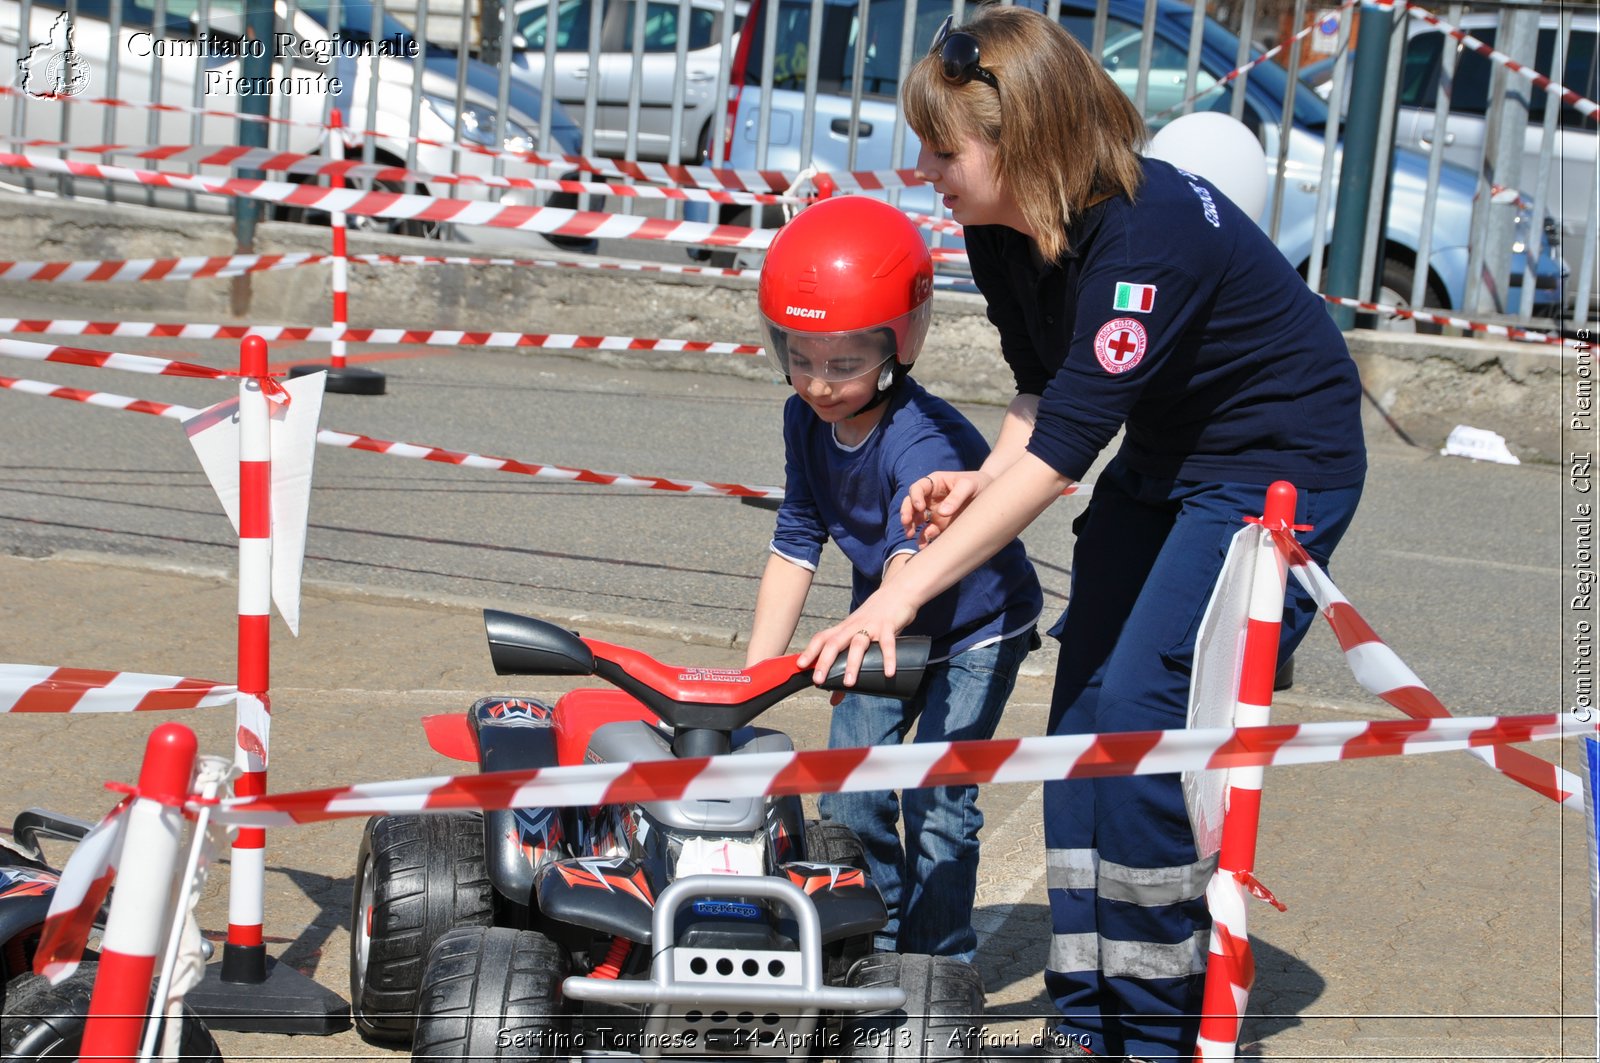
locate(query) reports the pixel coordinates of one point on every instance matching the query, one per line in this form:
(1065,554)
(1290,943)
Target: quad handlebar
(715,699)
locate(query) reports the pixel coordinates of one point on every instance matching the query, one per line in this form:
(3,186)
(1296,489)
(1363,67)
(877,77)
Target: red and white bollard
(342,378)
(244,957)
(140,904)
(1230,967)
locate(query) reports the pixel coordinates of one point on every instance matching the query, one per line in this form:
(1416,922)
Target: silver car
(161,51)
(600,60)
(1570,183)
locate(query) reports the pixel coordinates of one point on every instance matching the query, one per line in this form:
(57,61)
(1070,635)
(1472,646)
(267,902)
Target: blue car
(846,139)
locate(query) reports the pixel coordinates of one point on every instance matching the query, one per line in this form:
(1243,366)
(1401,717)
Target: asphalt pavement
(1435,911)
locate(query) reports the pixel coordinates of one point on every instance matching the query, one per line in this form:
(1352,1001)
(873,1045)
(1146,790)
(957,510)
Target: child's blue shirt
(853,495)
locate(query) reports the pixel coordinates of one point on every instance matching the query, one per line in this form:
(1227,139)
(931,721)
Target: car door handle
(1449,139)
(701,75)
(842,127)
(9,37)
(581,73)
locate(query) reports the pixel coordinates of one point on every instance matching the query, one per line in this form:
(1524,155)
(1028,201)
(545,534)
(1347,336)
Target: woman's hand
(936,500)
(879,619)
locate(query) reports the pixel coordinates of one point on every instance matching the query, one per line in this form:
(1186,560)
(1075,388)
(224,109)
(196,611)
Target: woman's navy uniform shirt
(853,495)
(1175,316)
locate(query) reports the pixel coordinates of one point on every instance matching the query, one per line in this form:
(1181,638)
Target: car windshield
(355,21)
(841,41)
(841,38)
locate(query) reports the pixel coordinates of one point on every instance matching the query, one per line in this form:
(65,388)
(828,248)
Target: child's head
(845,299)
(841,374)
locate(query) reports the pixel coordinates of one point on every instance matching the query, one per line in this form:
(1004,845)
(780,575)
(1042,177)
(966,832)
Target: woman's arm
(784,586)
(1018,495)
(935,500)
(1015,431)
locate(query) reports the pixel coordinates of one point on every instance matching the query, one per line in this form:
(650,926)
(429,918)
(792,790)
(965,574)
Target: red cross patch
(1119,344)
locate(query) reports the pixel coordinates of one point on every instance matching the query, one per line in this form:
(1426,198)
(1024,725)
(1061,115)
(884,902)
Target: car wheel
(941,1019)
(431,230)
(44,1021)
(417,877)
(741,257)
(1395,290)
(492,993)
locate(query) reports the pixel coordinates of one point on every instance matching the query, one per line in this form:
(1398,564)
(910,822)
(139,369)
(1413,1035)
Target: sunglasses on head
(958,55)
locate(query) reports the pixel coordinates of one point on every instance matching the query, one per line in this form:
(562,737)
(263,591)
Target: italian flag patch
(1139,298)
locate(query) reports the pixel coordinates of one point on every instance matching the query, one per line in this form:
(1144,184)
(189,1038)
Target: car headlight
(477,125)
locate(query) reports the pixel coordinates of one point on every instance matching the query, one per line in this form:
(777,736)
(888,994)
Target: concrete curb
(1425,385)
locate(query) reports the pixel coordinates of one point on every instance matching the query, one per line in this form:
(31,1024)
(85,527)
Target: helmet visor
(839,356)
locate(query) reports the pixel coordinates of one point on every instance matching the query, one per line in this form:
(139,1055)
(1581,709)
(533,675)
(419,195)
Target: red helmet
(847,267)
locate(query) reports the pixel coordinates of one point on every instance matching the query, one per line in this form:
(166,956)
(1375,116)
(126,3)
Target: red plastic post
(133,939)
(244,955)
(253,357)
(1230,967)
(341,255)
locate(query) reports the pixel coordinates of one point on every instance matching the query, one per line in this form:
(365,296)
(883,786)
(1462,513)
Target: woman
(1129,295)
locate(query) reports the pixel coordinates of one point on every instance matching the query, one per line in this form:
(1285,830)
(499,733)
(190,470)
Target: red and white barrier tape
(41,688)
(325,334)
(1510,332)
(1586,107)
(659,173)
(155,269)
(1240,71)
(903,767)
(316,166)
(1380,671)
(132,363)
(329,437)
(406,206)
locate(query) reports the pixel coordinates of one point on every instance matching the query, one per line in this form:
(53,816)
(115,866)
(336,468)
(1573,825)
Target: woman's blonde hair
(1062,132)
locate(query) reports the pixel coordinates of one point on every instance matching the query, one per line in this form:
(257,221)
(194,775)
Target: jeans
(1126,886)
(929,882)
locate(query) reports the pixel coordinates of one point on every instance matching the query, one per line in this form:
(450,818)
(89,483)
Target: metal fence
(815,84)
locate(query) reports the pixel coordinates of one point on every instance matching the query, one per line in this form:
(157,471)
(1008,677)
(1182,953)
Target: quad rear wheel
(44,1021)
(417,877)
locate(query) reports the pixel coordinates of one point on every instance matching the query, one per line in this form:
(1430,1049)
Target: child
(845,300)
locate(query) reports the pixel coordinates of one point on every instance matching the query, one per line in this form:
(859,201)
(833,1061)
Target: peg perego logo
(805,311)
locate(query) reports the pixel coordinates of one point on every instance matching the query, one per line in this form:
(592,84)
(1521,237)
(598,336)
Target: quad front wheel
(942,1018)
(492,993)
(416,878)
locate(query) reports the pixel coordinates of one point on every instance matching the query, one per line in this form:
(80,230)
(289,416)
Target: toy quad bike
(42,1021)
(667,928)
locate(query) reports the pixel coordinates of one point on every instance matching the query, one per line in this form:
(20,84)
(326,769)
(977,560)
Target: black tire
(828,842)
(492,993)
(43,1021)
(417,877)
(942,1018)
(1395,289)
(430,230)
(745,258)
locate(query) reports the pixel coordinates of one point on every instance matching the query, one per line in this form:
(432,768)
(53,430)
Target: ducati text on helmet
(854,272)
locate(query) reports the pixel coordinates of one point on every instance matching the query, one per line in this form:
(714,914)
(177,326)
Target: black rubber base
(348,380)
(286,1002)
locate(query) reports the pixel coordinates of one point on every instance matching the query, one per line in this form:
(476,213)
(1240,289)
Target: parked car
(196,63)
(1263,108)
(579,60)
(1570,184)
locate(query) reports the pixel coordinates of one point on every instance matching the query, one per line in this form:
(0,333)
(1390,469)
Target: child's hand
(936,500)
